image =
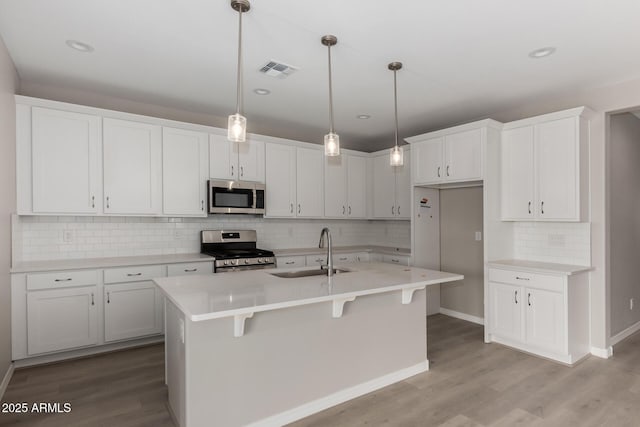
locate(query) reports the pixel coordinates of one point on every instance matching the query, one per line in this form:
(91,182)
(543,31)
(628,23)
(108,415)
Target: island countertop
(240,293)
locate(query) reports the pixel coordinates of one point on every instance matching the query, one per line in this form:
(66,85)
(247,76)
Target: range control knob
(260,260)
(226,263)
(246,261)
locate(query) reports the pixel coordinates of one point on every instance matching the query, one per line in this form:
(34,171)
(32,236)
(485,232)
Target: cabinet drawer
(532,280)
(291,261)
(341,258)
(316,259)
(132,274)
(396,259)
(61,279)
(362,257)
(190,268)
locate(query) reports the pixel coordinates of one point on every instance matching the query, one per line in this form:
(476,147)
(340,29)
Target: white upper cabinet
(185,170)
(545,168)
(65,153)
(237,161)
(310,182)
(132,161)
(345,186)
(280,176)
(450,156)
(391,187)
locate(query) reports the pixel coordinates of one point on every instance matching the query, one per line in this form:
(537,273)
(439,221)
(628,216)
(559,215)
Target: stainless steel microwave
(236,197)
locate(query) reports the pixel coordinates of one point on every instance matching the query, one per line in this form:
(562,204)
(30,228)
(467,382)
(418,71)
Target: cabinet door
(185,170)
(61,319)
(517,174)
(223,159)
(250,160)
(356,187)
(544,320)
(310,183)
(65,151)
(130,311)
(280,176)
(427,161)
(403,188)
(291,261)
(384,187)
(335,186)
(396,259)
(463,156)
(557,155)
(132,162)
(506,310)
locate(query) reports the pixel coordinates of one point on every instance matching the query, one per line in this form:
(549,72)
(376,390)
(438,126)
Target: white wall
(8,85)
(37,238)
(559,242)
(625,220)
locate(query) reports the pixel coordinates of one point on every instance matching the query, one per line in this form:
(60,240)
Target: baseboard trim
(341,396)
(463,316)
(603,353)
(624,334)
(5,381)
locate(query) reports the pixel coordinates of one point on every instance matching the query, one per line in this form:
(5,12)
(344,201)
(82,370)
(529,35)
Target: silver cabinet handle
(134,274)
(93,201)
(529,208)
(231,170)
(522,278)
(542,208)
(108,202)
(398,210)
(108,297)
(395,260)
(516,297)
(241,170)
(291,207)
(447,170)
(393,210)
(299,209)
(349,210)
(190,270)
(68,279)
(290,262)
(438,171)
(202,205)
(343,259)
(529,299)
(343,210)
(92,300)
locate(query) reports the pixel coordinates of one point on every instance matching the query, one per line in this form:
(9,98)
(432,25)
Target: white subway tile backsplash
(564,243)
(37,238)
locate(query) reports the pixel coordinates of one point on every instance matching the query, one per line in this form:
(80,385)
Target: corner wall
(8,86)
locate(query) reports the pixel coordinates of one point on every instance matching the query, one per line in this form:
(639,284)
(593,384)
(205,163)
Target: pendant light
(237,126)
(396,157)
(331,140)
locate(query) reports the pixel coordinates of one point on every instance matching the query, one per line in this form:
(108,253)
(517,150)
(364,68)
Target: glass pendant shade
(237,128)
(397,156)
(332,144)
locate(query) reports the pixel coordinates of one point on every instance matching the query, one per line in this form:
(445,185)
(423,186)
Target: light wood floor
(469,384)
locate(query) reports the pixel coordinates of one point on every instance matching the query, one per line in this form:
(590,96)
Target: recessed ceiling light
(363,116)
(542,52)
(79,46)
(261,91)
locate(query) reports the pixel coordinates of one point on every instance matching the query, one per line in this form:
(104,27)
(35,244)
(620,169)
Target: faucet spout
(326,231)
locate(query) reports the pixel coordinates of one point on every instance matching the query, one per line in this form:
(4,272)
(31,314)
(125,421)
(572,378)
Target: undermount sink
(307,273)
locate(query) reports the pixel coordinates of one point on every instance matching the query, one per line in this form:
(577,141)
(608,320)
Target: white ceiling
(463,59)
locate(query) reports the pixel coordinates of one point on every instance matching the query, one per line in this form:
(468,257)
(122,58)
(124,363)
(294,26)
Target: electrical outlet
(557,240)
(630,303)
(478,236)
(67,236)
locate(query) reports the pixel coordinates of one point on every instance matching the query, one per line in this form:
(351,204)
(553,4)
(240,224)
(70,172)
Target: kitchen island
(252,348)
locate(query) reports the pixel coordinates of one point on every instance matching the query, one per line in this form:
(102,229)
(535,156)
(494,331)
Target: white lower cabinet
(543,314)
(187,269)
(60,319)
(291,261)
(317,259)
(396,259)
(131,310)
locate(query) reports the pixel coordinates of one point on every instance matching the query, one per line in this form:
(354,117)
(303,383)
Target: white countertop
(79,264)
(342,249)
(539,267)
(240,293)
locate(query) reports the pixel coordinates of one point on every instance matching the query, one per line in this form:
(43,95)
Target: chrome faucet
(329,250)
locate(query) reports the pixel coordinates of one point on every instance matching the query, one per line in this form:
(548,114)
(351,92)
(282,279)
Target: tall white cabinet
(345,186)
(391,187)
(236,161)
(545,167)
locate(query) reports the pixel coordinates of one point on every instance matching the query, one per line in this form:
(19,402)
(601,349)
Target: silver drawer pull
(190,270)
(343,259)
(134,274)
(64,280)
(529,299)
(291,262)
(92,300)
(515,297)
(522,278)
(395,260)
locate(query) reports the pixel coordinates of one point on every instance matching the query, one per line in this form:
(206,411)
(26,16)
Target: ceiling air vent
(278,69)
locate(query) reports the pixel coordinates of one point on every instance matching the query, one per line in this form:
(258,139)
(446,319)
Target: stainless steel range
(235,250)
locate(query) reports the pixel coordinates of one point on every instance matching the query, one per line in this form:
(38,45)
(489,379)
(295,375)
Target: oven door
(230,197)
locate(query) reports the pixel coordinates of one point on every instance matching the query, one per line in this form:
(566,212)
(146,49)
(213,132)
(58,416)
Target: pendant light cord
(395,100)
(330,93)
(239,82)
